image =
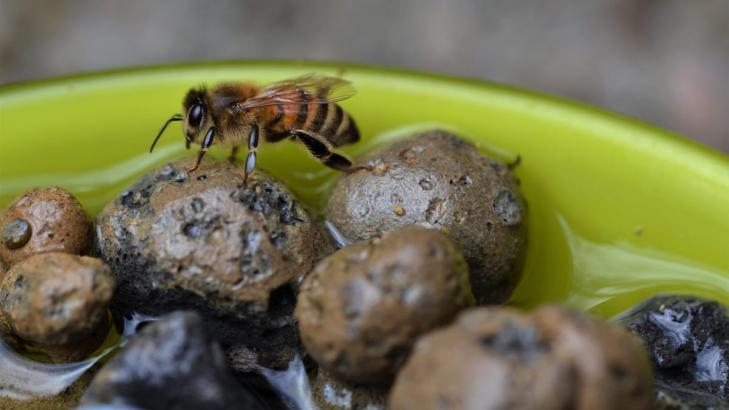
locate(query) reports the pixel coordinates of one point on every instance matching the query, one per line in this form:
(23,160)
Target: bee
(302,109)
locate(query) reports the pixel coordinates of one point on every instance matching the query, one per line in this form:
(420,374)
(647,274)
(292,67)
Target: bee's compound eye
(194,117)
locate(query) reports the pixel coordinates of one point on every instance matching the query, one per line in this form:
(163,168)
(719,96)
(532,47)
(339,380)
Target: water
(292,384)
(131,325)
(605,275)
(339,239)
(710,366)
(24,379)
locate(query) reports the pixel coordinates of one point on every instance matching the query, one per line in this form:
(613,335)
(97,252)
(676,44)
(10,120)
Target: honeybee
(302,109)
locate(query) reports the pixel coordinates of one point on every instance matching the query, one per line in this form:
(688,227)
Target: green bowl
(618,210)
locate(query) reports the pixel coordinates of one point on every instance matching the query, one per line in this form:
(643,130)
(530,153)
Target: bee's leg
(320,149)
(207,142)
(234,154)
(341,163)
(252,147)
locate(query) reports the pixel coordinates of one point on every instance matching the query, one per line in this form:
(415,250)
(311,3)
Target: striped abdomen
(328,120)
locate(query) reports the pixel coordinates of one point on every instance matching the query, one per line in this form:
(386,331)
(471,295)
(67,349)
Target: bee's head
(195,116)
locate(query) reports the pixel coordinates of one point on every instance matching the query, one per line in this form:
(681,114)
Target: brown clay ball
(611,367)
(330,393)
(496,358)
(438,180)
(43,220)
(361,309)
(58,303)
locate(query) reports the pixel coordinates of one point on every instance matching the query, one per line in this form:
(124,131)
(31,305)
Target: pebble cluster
(51,298)
(215,290)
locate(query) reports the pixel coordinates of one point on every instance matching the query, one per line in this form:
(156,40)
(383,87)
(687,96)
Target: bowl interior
(617,210)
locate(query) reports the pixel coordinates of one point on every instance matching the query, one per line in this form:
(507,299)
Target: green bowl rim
(688,151)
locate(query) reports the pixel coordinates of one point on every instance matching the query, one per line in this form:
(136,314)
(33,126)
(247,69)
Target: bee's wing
(317,89)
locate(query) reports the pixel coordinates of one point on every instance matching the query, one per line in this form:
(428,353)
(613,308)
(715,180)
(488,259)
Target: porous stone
(234,253)
(362,308)
(438,180)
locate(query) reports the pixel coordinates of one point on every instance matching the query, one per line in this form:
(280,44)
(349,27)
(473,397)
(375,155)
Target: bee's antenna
(176,117)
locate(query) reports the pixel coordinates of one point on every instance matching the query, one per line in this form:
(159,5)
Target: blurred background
(663,61)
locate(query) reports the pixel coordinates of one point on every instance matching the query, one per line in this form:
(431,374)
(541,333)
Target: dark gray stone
(688,342)
(172,364)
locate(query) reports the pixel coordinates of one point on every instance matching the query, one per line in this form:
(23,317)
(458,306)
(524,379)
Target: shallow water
(131,325)
(292,384)
(22,378)
(340,241)
(606,275)
(569,259)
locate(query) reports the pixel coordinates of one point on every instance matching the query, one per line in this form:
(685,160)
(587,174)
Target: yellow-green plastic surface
(617,210)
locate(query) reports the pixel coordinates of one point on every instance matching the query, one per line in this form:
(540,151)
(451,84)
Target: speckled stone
(57,302)
(496,358)
(362,308)
(43,220)
(438,180)
(235,254)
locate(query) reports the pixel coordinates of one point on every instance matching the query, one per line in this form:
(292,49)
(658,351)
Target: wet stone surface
(58,303)
(171,364)
(438,180)
(236,255)
(43,220)
(361,309)
(15,233)
(688,341)
(495,358)
(329,393)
